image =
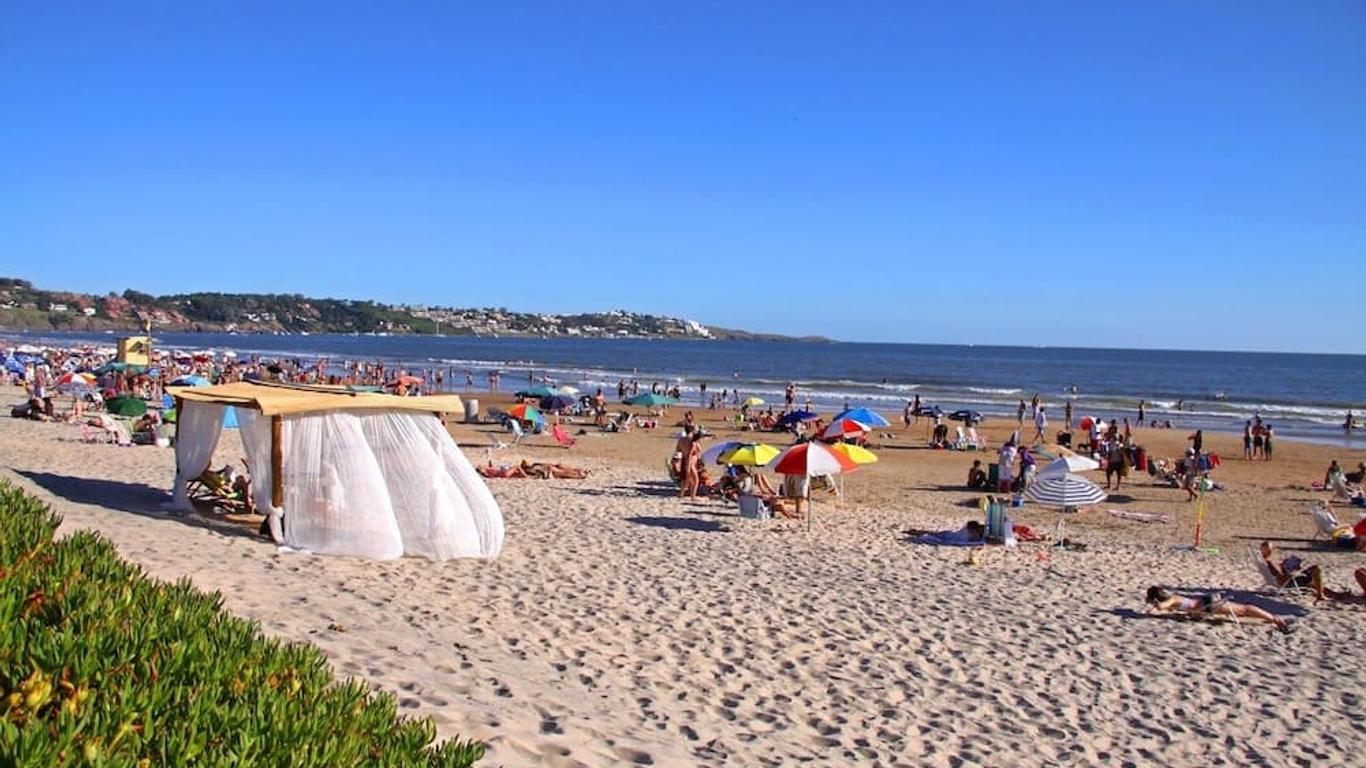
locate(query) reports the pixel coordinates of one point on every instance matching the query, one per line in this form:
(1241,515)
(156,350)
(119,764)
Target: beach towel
(1141,517)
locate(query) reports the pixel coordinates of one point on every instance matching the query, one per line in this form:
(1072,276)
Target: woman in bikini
(1162,601)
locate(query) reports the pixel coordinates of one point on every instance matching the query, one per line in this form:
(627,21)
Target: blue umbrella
(795,417)
(554,402)
(863,416)
(540,390)
(650,398)
(14,366)
(190,381)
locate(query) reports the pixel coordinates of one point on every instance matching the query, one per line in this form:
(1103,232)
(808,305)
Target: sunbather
(1293,571)
(1210,604)
(972,532)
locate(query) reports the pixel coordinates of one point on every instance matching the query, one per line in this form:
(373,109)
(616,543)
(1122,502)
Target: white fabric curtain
(336,499)
(485,515)
(255,432)
(439,514)
(198,426)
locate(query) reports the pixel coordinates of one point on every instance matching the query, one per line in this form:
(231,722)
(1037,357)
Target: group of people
(1258,439)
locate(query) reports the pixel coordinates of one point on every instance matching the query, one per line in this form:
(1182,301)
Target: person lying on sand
(537,469)
(1162,601)
(972,532)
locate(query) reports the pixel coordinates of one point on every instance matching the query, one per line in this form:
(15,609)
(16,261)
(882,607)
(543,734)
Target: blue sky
(1157,174)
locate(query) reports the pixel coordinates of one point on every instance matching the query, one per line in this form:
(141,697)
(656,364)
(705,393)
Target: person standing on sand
(915,410)
(1067,414)
(702,389)
(692,467)
(906,416)
(1040,424)
(1266,442)
(1142,404)
(1005,467)
(1247,440)
(1019,412)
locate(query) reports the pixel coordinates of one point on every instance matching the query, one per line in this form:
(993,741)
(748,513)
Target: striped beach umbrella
(1064,490)
(751,402)
(810,459)
(843,428)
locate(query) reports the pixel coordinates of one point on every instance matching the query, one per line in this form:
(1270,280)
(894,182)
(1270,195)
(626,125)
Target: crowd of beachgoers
(723,462)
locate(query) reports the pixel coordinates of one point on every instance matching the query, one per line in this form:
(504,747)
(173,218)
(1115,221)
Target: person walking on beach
(1142,404)
(1019,413)
(1247,440)
(915,410)
(1040,424)
(1197,441)
(1266,442)
(702,389)
(789,397)
(1067,415)
(906,416)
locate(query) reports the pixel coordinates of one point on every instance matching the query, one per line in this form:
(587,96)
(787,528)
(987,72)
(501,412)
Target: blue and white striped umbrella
(1064,490)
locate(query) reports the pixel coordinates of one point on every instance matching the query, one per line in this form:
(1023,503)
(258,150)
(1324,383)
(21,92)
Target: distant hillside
(25,307)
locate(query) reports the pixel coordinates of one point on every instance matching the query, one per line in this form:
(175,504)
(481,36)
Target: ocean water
(1303,396)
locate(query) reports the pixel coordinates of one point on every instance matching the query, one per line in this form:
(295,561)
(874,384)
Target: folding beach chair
(1325,524)
(1270,583)
(561,436)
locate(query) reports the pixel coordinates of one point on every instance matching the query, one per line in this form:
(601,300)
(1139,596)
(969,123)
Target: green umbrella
(650,398)
(125,406)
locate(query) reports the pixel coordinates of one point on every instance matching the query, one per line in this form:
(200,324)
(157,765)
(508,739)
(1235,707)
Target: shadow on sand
(681,524)
(134,498)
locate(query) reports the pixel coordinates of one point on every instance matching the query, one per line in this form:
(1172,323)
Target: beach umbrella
(1086,422)
(1069,463)
(1064,490)
(191,380)
(843,428)
(554,402)
(713,453)
(864,416)
(125,405)
(855,453)
(28,349)
(749,455)
(796,417)
(524,412)
(538,391)
(568,390)
(75,383)
(14,366)
(750,402)
(650,398)
(810,459)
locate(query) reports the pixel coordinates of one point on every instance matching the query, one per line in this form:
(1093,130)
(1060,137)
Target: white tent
(346,473)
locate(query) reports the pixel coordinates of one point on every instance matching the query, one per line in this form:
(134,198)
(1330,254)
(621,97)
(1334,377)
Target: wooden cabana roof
(280,399)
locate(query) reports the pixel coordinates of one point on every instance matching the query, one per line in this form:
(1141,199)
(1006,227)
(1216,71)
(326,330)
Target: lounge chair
(1325,524)
(214,487)
(561,436)
(1271,583)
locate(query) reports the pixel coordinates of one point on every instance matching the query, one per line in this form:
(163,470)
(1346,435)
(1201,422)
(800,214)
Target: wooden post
(277,462)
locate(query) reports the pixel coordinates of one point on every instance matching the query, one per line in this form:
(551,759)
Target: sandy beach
(622,625)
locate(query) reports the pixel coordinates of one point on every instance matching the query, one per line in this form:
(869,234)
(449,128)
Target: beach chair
(214,487)
(1269,580)
(974,442)
(1325,524)
(960,443)
(561,436)
(753,508)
